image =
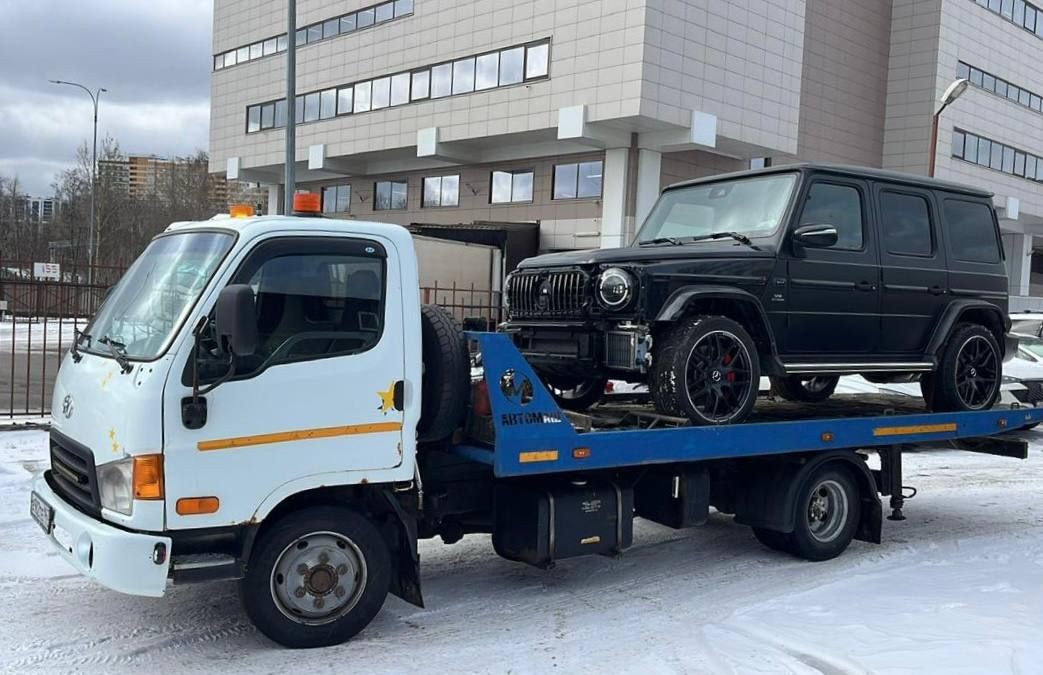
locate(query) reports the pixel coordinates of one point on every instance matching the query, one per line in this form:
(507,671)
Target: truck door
(322,395)
(914,278)
(834,293)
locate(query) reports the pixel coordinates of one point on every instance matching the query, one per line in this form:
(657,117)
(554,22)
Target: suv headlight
(116,486)
(615,288)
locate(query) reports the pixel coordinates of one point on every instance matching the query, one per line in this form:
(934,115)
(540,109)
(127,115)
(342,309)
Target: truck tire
(828,509)
(969,374)
(447,374)
(805,389)
(316,578)
(776,541)
(714,371)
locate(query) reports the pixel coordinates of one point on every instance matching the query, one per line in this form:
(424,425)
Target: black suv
(802,273)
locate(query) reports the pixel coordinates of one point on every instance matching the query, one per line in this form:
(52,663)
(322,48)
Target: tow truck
(265,399)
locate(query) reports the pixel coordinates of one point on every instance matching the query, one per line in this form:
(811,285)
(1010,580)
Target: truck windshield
(146,307)
(752,207)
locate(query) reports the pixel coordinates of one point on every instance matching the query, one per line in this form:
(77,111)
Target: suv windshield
(747,206)
(149,303)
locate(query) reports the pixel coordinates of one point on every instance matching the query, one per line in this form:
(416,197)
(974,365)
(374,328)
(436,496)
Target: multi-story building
(575,113)
(36,210)
(151,177)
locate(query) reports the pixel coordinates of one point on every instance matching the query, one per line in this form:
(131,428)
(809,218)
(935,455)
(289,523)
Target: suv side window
(839,206)
(905,222)
(971,231)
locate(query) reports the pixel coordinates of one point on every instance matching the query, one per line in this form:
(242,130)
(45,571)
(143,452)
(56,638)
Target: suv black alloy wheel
(969,374)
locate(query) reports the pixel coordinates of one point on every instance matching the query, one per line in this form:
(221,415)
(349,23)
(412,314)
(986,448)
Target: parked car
(1027,323)
(803,273)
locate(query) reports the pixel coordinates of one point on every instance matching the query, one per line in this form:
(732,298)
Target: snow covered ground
(957,588)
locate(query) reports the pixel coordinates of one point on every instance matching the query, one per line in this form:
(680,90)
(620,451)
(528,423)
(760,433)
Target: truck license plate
(41,512)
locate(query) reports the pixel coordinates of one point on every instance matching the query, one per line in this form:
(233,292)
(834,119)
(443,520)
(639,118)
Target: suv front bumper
(118,559)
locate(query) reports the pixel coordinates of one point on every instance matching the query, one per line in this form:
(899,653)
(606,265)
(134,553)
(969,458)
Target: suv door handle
(865,286)
(936,290)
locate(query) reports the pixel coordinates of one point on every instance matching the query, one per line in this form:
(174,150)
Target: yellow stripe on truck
(299,435)
(915,429)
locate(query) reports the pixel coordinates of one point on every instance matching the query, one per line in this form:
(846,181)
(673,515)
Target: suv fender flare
(680,300)
(768,496)
(956,310)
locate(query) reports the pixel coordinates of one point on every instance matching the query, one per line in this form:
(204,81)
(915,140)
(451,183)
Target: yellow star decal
(387,399)
(112,437)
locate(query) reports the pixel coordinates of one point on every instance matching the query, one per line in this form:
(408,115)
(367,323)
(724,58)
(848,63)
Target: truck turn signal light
(148,477)
(195,506)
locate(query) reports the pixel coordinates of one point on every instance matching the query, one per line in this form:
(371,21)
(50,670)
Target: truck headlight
(615,288)
(115,485)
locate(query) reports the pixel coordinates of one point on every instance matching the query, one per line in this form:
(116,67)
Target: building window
(511,187)
(578,181)
(999,86)
(994,155)
(336,199)
(1018,12)
(462,76)
(390,195)
(323,30)
(441,191)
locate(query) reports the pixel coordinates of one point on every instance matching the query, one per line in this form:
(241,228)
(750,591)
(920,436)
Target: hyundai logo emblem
(67,406)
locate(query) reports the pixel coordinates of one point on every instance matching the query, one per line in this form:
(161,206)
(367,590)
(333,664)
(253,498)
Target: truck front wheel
(316,578)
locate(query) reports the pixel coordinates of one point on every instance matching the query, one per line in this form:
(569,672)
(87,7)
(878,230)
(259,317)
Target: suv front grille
(544,294)
(72,475)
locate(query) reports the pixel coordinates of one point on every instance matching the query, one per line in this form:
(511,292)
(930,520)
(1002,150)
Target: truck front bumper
(128,562)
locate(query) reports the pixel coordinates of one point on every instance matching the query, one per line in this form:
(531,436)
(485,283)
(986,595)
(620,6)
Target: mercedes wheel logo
(67,406)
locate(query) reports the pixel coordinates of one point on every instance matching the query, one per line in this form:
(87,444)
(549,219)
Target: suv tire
(714,371)
(969,374)
(805,389)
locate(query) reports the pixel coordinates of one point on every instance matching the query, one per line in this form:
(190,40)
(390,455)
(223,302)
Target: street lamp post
(290,168)
(95,99)
(952,92)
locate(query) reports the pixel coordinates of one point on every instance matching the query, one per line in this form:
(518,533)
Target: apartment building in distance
(573,114)
(150,176)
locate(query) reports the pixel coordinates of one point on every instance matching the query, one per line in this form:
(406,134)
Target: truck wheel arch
(766,499)
(968,311)
(734,303)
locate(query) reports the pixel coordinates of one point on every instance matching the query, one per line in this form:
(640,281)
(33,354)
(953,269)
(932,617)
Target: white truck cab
(180,412)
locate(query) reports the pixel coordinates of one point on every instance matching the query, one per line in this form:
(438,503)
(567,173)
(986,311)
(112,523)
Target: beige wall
(844,81)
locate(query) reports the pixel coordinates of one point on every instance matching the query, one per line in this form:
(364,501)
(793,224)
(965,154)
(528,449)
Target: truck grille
(542,294)
(72,475)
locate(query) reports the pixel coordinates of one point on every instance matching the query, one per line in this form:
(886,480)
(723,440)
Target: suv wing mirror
(816,236)
(235,319)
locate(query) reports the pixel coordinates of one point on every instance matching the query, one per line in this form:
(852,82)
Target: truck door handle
(936,290)
(865,286)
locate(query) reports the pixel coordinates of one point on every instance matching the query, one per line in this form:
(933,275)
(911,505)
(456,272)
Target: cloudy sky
(153,56)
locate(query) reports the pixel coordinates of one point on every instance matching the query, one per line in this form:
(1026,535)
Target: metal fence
(40,317)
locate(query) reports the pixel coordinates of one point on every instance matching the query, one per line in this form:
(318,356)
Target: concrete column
(1018,250)
(274,199)
(614,199)
(649,178)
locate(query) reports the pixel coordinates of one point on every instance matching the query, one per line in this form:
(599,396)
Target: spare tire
(447,374)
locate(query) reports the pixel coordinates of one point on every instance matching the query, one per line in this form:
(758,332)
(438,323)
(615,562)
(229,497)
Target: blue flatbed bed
(530,435)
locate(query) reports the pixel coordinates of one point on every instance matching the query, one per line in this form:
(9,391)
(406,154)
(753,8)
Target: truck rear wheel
(828,509)
(316,578)
(447,374)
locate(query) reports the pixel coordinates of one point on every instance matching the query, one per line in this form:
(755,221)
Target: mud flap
(405,582)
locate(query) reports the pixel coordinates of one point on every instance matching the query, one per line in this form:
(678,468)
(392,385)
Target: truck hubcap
(827,511)
(976,368)
(717,376)
(318,578)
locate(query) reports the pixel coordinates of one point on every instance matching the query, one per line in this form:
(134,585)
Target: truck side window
(971,231)
(905,221)
(317,306)
(839,206)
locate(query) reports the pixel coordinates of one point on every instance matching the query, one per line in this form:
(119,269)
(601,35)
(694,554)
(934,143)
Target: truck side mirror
(816,236)
(235,319)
